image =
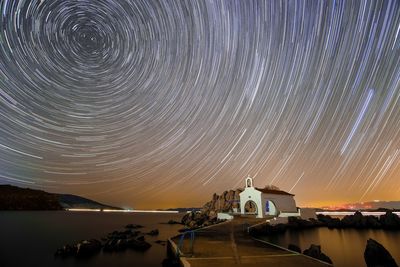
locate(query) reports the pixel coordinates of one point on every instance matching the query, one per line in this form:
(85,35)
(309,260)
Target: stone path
(228,244)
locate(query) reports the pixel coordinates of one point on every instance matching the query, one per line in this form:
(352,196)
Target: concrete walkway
(228,244)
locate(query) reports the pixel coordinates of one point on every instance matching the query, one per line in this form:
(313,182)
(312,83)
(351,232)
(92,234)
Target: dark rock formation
(153,232)
(227,202)
(298,223)
(360,221)
(294,248)
(390,220)
(133,226)
(173,222)
(85,248)
(113,242)
(375,255)
(387,221)
(315,252)
(121,240)
(88,248)
(66,251)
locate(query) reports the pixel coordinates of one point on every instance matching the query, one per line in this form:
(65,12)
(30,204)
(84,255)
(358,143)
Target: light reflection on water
(344,246)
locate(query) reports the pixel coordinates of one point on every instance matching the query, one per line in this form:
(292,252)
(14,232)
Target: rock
(356,220)
(375,255)
(298,223)
(188,217)
(225,202)
(315,252)
(88,248)
(133,226)
(294,248)
(373,222)
(139,245)
(173,222)
(66,251)
(335,223)
(170,263)
(115,245)
(329,221)
(85,248)
(390,220)
(153,232)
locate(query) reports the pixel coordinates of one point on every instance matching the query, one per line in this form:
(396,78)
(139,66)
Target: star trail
(154,104)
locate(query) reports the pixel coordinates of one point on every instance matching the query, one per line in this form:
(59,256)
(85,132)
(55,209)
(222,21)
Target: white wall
(250,193)
(283,203)
(279,205)
(224,216)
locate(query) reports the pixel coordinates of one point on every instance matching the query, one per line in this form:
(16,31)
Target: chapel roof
(273,191)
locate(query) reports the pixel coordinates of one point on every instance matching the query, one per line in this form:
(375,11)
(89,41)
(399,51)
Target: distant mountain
(68,201)
(181,209)
(16,198)
(370,206)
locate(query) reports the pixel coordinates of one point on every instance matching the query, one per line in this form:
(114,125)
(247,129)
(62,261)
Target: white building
(265,202)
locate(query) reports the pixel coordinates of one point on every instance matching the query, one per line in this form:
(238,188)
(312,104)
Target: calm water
(345,247)
(31,238)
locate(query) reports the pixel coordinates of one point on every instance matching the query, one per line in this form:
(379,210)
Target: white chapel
(266,202)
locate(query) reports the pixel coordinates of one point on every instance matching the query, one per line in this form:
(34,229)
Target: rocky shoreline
(375,254)
(117,241)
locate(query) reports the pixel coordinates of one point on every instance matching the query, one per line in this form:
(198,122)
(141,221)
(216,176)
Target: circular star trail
(161,103)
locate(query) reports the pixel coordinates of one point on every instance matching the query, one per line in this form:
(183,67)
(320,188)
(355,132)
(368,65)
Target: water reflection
(344,246)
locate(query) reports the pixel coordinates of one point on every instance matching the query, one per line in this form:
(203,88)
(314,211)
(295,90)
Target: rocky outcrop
(85,248)
(122,240)
(315,252)
(375,255)
(390,220)
(113,242)
(358,221)
(226,202)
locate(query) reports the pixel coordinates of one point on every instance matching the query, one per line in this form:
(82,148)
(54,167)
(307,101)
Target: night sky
(155,104)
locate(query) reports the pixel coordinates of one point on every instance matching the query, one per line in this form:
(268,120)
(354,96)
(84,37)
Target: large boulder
(87,248)
(137,244)
(315,252)
(375,255)
(357,220)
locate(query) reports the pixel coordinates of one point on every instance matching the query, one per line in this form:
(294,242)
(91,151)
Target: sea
(30,238)
(345,247)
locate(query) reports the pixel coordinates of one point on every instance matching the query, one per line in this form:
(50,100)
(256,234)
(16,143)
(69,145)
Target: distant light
(376,200)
